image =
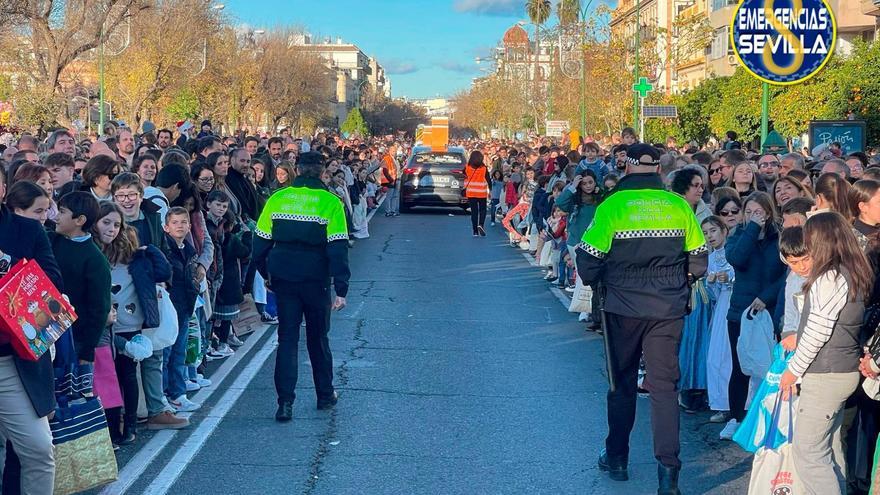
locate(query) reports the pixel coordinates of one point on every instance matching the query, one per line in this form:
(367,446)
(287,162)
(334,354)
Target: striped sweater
(828,332)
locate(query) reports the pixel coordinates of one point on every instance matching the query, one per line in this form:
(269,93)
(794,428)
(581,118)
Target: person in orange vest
(476,190)
(388,179)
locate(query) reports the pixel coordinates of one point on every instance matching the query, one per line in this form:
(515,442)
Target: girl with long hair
(833,194)
(827,350)
(134,272)
(719,282)
(744,179)
(753,251)
(285,173)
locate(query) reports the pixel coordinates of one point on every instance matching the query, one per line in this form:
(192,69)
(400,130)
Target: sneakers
(720,417)
(202,381)
(729,430)
(266,318)
(183,404)
(492,224)
(224,350)
(213,355)
(570,289)
(166,420)
(192,386)
(234,341)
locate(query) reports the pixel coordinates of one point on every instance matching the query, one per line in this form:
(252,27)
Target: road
(458,371)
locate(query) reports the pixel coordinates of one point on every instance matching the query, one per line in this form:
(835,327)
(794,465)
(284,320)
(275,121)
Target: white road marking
(146,454)
(178,464)
(563,299)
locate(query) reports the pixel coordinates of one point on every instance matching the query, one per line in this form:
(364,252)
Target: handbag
(773,468)
(106,383)
(84,456)
(582,300)
(166,333)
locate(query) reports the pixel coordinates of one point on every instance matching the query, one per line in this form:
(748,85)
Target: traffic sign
(783,45)
(643,87)
(659,111)
(555,128)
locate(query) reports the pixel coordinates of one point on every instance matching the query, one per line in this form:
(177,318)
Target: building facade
(353,72)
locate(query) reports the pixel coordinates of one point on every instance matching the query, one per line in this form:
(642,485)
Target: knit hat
(206,122)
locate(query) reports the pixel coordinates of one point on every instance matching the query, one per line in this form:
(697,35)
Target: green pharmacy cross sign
(643,87)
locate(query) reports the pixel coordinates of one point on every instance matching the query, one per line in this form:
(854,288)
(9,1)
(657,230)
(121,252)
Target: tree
(354,124)
(49,35)
(157,65)
(35,109)
(294,84)
(386,116)
(568,12)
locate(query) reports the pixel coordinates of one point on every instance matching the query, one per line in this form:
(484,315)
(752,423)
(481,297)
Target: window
(718,48)
(720,4)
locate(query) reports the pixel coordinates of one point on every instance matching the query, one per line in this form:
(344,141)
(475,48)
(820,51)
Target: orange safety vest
(388,164)
(475,185)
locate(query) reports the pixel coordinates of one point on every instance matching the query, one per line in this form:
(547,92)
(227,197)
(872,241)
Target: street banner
(555,128)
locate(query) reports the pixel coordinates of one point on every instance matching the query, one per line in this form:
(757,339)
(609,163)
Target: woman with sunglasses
(753,252)
(716,176)
(728,207)
(96,178)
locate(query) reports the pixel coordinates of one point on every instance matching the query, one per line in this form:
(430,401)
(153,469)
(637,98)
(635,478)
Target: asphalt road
(458,372)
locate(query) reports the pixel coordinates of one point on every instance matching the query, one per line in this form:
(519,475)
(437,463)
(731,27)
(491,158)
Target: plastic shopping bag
(755,345)
(582,300)
(546,251)
(760,421)
(772,469)
(719,361)
(166,333)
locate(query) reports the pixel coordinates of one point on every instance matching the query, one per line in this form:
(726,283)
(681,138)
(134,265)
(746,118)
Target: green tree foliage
(856,85)
(355,124)
(35,109)
(184,105)
(6,88)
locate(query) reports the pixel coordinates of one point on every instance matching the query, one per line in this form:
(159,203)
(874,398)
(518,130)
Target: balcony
(870,7)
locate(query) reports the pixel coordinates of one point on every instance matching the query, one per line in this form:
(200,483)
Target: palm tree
(538,12)
(568,11)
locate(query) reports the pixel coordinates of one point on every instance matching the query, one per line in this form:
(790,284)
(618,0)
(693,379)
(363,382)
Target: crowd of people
(791,234)
(153,238)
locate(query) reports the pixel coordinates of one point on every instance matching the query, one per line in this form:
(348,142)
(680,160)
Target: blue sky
(426,46)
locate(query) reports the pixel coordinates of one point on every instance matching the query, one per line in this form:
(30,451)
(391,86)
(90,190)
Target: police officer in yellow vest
(301,247)
(643,247)
(476,190)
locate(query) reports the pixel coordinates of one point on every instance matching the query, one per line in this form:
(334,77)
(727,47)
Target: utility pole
(765,111)
(101,84)
(635,121)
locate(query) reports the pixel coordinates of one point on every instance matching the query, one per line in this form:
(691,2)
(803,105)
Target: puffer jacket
(759,271)
(149,267)
(579,215)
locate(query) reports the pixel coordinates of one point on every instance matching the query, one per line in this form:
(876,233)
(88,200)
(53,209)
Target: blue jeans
(392,202)
(174,357)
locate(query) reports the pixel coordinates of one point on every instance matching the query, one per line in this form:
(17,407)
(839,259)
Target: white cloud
(458,67)
(394,66)
(491,7)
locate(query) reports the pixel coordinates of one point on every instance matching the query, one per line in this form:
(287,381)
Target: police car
(433,178)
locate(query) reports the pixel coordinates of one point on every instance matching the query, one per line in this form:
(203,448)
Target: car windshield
(438,159)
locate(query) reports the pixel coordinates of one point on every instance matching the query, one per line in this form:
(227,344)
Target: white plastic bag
(546,251)
(166,333)
(582,300)
(755,345)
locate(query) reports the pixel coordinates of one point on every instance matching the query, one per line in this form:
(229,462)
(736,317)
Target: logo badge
(783,41)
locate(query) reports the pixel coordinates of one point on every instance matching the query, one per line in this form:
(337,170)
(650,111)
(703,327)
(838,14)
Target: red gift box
(32,312)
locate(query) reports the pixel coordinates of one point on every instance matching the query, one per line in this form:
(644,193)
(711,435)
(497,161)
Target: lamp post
(765,112)
(636,65)
(548,36)
(103,39)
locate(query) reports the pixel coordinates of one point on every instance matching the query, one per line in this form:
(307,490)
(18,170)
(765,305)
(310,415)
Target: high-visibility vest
(475,182)
(388,164)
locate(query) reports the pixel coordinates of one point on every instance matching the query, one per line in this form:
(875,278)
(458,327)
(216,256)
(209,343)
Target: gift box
(32,312)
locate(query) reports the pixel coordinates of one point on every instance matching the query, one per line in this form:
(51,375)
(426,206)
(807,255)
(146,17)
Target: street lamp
(103,38)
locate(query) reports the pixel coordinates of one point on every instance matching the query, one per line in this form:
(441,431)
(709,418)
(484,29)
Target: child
(719,280)
(183,291)
(497,190)
(84,269)
(235,248)
(794,252)
(134,273)
(556,226)
(826,348)
(610,182)
(694,348)
(794,213)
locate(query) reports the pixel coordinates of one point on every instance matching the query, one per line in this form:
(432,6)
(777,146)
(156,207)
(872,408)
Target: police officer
(301,245)
(643,245)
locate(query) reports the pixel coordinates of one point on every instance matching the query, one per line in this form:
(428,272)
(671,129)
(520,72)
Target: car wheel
(405,208)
